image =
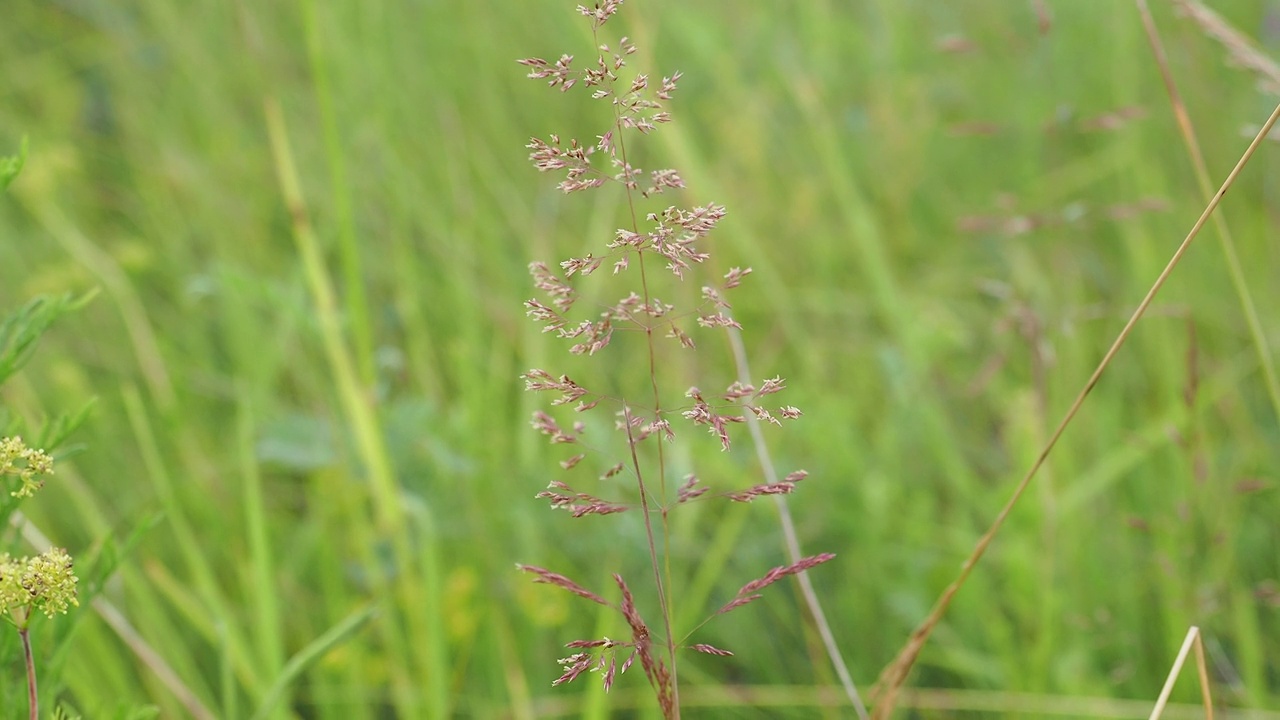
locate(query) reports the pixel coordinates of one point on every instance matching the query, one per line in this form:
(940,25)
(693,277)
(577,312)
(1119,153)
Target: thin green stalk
(203,597)
(309,655)
(354,297)
(362,420)
(226,673)
(355,399)
(133,311)
(151,659)
(264,590)
(435,640)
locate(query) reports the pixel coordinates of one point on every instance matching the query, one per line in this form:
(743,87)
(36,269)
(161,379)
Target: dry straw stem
(1269,73)
(794,551)
(1192,640)
(895,672)
(1239,47)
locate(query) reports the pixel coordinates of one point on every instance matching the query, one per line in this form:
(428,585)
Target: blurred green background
(950,208)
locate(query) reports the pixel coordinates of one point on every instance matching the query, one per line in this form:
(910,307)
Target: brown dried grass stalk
(1192,641)
(1240,49)
(1269,74)
(895,673)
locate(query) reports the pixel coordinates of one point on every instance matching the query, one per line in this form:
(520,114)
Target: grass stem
(895,673)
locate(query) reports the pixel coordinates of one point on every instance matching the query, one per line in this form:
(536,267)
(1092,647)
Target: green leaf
(308,655)
(11,165)
(103,563)
(56,430)
(20,330)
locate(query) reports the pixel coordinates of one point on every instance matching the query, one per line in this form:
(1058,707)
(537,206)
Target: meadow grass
(934,200)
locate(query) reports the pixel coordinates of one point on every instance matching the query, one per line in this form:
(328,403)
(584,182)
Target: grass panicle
(307,472)
(654,238)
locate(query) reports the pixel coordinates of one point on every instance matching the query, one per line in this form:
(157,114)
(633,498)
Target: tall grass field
(309,461)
